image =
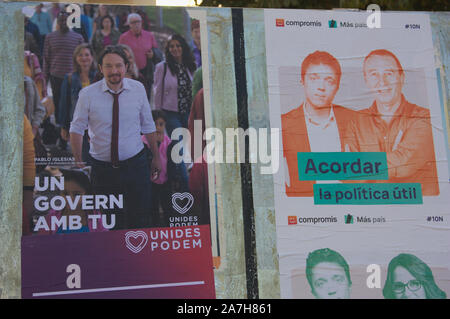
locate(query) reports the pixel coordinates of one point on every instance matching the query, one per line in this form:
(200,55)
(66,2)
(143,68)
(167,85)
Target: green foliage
(393,5)
(399,5)
(172,17)
(303,4)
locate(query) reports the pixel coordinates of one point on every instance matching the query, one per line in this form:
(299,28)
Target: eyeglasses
(413,285)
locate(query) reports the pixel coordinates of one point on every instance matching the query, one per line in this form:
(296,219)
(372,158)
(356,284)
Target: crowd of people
(60,61)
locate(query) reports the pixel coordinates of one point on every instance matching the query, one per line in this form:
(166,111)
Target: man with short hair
(328,274)
(142,43)
(196,44)
(317,125)
(42,20)
(395,126)
(58,56)
(116,111)
(34,30)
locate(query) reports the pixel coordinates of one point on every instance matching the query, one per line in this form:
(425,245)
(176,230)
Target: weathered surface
(11,128)
(258,114)
(440,27)
(231,276)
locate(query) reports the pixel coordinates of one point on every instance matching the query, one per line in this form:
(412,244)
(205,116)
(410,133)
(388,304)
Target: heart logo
(181,197)
(136,240)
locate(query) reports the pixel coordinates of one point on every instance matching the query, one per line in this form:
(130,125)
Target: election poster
(361,196)
(114,204)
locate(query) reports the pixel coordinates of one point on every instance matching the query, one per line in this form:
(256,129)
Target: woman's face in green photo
(406,286)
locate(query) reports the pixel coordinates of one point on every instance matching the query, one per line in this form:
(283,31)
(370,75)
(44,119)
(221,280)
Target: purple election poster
(108,210)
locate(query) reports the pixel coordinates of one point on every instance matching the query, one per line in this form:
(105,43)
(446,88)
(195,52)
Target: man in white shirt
(116,111)
(317,125)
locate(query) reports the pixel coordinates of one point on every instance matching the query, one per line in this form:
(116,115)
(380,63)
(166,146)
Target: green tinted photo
(410,278)
(328,274)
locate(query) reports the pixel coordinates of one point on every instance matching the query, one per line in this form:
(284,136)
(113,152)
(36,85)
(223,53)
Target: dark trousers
(176,120)
(132,180)
(55,84)
(41,48)
(147,73)
(161,196)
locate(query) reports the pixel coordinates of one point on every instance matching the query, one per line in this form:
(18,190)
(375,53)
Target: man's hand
(35,130)
(65,134)
(155,169)
(80,164)
(77,142)
(156,162)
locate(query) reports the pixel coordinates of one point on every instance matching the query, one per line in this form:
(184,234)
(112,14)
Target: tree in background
(393,5)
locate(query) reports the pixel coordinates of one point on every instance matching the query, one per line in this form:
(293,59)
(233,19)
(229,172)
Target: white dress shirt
(94,112)
(323,137)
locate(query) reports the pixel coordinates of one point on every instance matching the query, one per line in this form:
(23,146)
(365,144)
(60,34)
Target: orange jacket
(295,139)
(29,168)
(407,141)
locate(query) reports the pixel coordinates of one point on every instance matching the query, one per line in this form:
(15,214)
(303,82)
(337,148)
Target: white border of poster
(379,232)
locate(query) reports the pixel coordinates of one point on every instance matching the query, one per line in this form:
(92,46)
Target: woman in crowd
(173,88)
(103,10)
(133,71)
(410,278)
(83,75)
(106,35)
(32,68)
(173,83)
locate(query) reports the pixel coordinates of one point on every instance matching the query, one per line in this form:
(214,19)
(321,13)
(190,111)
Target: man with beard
(116,111)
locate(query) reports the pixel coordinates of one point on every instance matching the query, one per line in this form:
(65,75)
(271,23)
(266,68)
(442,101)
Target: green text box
(368,194)
(342,166)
